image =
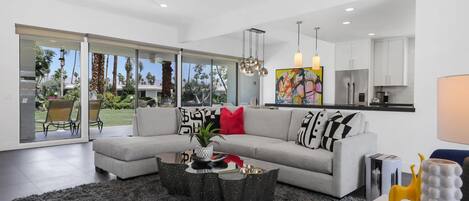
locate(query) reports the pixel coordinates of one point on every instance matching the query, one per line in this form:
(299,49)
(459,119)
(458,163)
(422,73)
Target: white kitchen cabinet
(353,55)
(390,62)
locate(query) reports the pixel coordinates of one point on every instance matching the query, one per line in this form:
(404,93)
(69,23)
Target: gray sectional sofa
(269,140)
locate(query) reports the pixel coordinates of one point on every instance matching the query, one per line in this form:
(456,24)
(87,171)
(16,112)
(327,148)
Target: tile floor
(31,171)
(110,131)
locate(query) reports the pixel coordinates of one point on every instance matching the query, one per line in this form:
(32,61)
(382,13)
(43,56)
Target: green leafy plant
(205,135)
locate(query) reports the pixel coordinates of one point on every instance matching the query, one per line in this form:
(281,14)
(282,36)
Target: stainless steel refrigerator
(349,84)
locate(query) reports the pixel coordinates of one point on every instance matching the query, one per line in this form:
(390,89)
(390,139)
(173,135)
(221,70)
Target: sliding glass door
(49,88)
(112,89)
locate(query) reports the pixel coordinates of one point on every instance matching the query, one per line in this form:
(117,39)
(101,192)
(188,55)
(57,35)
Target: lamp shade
(316,60)
(453,109)
(298,59)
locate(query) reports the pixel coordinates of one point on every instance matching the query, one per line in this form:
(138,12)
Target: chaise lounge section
(269,139)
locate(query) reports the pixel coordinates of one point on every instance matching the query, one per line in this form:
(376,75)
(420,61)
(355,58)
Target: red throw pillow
(231,122)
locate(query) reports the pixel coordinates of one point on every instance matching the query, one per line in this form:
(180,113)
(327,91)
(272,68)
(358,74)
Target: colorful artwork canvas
(299,86)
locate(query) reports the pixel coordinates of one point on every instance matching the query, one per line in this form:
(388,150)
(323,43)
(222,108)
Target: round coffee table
(215,184)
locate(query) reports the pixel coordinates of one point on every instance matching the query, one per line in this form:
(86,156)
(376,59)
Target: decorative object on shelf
(441,180)
(302,86)
(412,191)
(382,172)
(298,58)
(250,169)
(253,64)
(204,150)
(316,60)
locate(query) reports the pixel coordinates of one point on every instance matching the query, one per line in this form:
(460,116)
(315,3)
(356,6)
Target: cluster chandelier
(298,58)
(253,64)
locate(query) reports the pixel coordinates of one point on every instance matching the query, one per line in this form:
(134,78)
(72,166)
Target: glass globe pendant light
(298,58)
(263,71)
(316,60)
(252,64)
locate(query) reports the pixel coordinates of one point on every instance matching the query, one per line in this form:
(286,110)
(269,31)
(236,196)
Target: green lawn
(108,116)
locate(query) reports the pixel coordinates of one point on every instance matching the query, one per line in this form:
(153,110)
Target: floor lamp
(453,120)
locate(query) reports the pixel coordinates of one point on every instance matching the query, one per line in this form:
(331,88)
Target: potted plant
(204,150)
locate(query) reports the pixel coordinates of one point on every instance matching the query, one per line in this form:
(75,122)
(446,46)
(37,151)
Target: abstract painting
(299,86)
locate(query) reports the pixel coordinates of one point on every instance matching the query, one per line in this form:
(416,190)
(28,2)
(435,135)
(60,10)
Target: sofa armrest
(134,126)
(349,161)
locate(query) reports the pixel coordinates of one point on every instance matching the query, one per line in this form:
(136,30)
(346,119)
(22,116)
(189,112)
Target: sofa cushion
(293,155)
(295,123)
(156,121)
(137,148)
(267,123)
(243,145)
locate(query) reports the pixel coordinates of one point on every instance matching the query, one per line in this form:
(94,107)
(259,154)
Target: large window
(112,89)
(224,83)
(207,82)
(49,88)
(157,79)
(196,81)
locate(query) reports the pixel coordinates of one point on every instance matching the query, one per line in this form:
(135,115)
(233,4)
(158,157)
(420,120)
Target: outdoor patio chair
(94,120)
(58,115)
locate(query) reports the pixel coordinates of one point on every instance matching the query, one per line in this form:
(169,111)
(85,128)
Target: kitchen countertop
(386,108)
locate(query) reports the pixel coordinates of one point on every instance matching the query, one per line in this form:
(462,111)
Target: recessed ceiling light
(371,34)
(52,41)
(346,22)
(162,5)
(349,9)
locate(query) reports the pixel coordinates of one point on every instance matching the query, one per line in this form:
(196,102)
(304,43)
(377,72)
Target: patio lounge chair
(58,115)
(94,120)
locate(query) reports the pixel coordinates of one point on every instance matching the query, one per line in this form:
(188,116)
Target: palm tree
(73,69)
(114,76)
(105,75)
(167,85)
(42,60)
(97,73)
(150,78)
(128,70)
(121,78)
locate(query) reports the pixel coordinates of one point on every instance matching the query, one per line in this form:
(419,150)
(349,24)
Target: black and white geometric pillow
(190,120)
(339,127)
(212,115)
(311,129)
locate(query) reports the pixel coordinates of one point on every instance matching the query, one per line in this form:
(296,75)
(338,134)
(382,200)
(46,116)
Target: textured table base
(217,186)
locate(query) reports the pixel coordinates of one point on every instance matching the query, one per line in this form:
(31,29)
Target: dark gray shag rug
(148,188)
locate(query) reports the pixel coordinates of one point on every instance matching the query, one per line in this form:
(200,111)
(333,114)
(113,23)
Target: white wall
(58,15)
(441,48)
(280,56)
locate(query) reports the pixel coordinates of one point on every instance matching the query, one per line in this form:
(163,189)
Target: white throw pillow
(311,129)
(339,127)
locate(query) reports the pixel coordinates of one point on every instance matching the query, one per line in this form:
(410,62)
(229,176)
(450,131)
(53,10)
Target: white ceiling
(385,18)
(214,18)
(178,12)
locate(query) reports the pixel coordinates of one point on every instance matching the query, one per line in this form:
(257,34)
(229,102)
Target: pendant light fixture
(249,66)
(316,60)
(298,58)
